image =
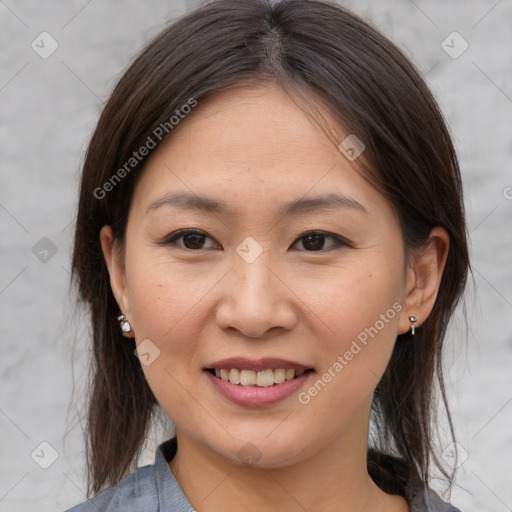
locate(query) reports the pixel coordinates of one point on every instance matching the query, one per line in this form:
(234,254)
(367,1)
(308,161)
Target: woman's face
(298,265)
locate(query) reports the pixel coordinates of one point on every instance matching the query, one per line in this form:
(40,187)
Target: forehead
(259,123)
(251,145)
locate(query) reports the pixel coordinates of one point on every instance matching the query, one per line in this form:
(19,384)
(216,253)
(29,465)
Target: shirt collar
(170,493)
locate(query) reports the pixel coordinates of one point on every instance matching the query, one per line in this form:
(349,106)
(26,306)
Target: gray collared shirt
(153,488)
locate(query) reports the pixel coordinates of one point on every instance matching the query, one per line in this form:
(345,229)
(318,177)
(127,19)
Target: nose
(256,299)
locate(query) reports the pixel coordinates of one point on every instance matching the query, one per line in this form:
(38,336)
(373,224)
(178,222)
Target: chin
(262,452)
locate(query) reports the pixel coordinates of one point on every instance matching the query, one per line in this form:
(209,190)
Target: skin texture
(254,149)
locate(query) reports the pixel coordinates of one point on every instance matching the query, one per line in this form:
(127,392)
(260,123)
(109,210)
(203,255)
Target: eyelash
(173,237)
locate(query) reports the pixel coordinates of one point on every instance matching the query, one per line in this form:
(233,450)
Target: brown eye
(315,241)
(192,239)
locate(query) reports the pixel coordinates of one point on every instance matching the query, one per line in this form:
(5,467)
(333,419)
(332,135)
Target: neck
(335,479)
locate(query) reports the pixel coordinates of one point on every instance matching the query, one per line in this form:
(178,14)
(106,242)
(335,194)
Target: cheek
(163,309)
(168,302)
(166,312)
(354,299)
(358,311)
(161,293)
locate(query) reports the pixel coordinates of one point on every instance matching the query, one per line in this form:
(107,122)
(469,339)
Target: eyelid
(176,235)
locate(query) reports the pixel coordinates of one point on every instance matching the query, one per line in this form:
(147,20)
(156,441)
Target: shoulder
(429,501)
(394,476)
(435,503)
(136,492)
(150,488)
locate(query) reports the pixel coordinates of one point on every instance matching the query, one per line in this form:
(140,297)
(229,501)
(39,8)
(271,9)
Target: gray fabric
(153,488)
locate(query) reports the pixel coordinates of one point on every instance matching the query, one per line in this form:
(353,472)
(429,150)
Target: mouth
(260,382)
(262,378)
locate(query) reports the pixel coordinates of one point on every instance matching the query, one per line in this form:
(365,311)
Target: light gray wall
(48,110)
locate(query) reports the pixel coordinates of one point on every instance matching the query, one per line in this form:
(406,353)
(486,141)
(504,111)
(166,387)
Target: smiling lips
(254,383)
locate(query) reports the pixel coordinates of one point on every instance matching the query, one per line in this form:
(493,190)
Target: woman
(271,241)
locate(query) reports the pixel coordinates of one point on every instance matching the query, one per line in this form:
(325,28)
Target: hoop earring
(413,319)
(126,328)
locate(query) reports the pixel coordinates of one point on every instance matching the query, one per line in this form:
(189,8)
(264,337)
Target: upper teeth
(263,378)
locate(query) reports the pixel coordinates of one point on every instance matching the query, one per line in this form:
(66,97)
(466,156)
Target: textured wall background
(49,107)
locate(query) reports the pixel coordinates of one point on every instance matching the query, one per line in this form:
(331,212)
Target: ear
(424,272)
(113,259)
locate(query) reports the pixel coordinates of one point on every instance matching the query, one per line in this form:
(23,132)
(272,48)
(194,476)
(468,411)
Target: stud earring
(126,328)
(412,319)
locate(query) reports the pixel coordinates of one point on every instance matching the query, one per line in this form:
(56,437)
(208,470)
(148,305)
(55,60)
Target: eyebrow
(188,201)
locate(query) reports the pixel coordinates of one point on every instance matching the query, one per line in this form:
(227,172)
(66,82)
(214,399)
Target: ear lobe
(115,269)
(423,278)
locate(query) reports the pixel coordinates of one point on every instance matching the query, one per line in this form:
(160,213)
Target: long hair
(332,59)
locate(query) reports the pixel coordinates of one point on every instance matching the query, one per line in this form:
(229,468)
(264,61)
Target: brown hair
(373,91)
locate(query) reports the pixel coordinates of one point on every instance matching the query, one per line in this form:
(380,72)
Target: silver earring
(126,328)
(412,319)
